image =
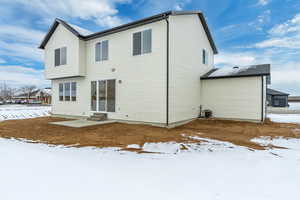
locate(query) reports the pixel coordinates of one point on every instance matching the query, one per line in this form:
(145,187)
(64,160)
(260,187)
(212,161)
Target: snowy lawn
(285,118)
(23,111)
(214,170)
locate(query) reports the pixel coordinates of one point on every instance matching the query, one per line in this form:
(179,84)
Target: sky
(246,32)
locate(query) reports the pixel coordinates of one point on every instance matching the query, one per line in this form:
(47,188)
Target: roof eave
(233,76)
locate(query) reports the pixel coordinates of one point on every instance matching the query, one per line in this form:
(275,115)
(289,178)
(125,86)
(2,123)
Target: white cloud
(103,12)
(233,59)
(285,35)
(21,50)
(20,75)
(109,21)
(261,20)
(263,2)
(18,33)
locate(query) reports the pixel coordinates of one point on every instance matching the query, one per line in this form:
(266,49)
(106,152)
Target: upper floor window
(60,56)
(204,57)
(142,42)
(101,51)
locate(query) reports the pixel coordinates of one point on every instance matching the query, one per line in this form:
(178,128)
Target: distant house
(277,98)
(157,70)
(42,96)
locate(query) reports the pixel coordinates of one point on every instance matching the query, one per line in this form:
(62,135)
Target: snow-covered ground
(286,118)
(294,106)
(215,170)
(23,111)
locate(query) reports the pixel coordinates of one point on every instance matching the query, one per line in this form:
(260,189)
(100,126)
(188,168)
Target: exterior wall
(187,40)
(75,57)
(234,98)
(140,80)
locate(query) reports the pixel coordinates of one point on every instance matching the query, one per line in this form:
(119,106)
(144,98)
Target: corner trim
(262,98)
(237,76)
(167,78)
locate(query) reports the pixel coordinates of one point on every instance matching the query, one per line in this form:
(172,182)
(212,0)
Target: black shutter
(57,57)
(137,44)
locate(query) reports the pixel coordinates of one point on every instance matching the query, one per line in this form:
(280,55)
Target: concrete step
(98,117)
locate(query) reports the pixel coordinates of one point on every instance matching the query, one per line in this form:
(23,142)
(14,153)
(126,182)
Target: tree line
(8,92)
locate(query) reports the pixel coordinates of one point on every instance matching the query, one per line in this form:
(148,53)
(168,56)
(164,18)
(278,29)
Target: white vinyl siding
(142,42)
(228,98)
(60,56)
(101,51)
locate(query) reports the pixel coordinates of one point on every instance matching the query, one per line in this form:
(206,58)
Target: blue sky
(245,32)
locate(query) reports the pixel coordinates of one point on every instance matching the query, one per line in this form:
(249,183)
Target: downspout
(262,98)
(167,78)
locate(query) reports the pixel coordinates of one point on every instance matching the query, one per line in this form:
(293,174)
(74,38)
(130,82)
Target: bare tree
(28,90)
(6,92)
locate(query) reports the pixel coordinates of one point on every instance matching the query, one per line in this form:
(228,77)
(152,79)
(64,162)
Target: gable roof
(124,27)
(252,70)
(276,92)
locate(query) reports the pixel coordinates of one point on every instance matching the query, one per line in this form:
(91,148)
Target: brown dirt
(121,135)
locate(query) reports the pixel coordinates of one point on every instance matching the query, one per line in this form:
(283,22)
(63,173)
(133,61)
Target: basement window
(142,42)
(60,56)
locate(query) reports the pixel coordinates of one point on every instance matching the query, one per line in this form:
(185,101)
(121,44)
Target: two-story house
(158,70)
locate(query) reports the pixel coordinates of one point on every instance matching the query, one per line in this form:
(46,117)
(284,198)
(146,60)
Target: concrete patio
(80,123)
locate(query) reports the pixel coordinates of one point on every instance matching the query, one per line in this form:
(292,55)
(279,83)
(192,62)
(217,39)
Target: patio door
(103,95)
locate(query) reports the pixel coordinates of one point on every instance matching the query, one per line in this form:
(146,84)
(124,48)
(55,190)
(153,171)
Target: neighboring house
(38,96)
(44,96)
(276,98)
(148,71)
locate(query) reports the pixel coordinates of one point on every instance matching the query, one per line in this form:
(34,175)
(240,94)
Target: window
(73,91)
(103,95)
(204,57)
(67,91)
(142,42)
(61,91)
(60,56)
(101,51)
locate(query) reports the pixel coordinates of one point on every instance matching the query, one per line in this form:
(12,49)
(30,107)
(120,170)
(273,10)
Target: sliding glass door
(103,95)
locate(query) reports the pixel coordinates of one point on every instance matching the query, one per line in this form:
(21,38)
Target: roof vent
(235,67)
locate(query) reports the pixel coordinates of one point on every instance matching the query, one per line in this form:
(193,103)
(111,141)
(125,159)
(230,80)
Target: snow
(210,171)
(8,112)
(80,30)
(294,106)
(226,71)
(285,118)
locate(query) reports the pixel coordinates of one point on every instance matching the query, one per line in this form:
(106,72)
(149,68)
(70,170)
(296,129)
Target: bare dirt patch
(121,135)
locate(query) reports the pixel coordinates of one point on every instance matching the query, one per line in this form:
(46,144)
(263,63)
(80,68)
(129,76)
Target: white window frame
(97,95)
(64,91)
(142,43)
(60,56)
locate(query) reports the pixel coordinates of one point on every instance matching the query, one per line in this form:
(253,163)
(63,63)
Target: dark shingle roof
(253,70)
(147,20)
(276,92)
